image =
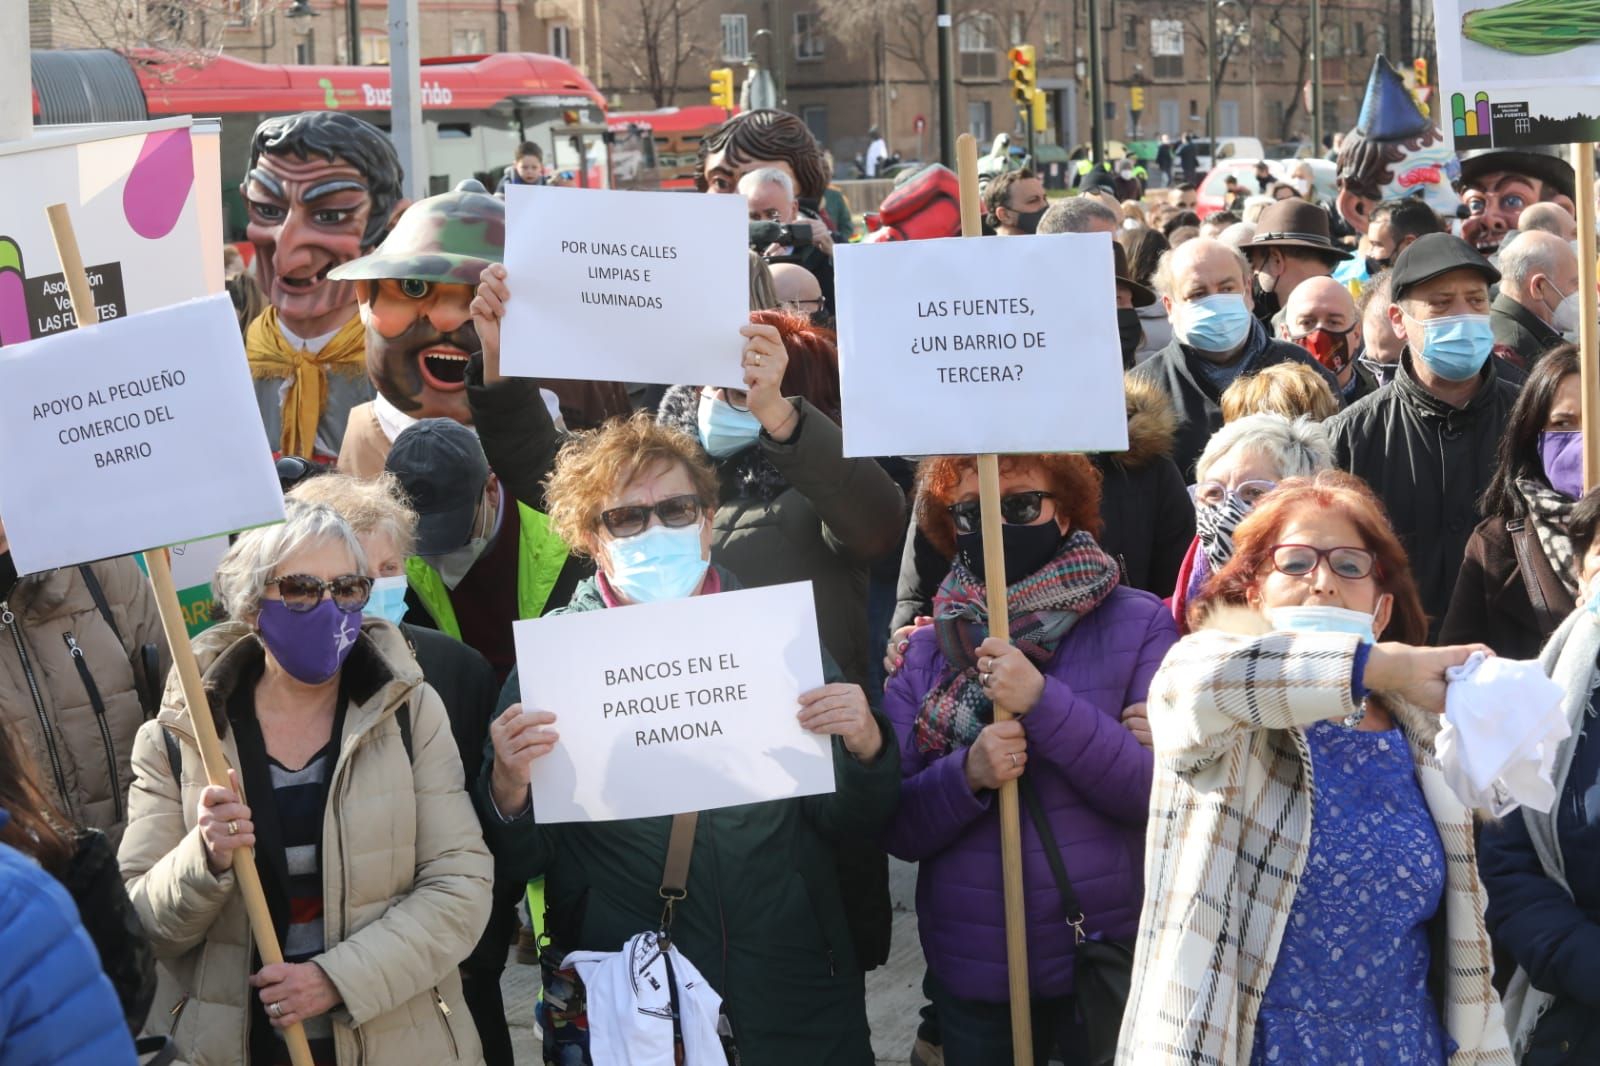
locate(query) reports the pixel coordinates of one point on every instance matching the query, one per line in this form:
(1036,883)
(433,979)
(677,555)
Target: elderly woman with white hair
(375,870)
(1243,461)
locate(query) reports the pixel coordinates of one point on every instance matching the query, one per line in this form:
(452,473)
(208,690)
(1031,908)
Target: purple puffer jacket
(1093,780)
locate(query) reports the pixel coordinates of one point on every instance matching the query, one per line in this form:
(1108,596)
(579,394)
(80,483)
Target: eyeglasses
(1017,509)
(738,399)
(302,592)
(675,512)
(1298,560)
(1249,493)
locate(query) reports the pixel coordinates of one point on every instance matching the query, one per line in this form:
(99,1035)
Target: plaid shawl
(1043,608)
(1229,835)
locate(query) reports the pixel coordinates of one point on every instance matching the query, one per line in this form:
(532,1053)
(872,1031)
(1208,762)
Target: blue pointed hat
(1388,113)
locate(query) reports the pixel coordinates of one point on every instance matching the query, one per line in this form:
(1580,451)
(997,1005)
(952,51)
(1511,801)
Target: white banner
(625,286)
(137,433)
(965,346)
(684,705)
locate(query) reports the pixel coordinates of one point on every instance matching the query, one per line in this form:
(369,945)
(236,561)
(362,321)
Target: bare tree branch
(161,32)
(656,43)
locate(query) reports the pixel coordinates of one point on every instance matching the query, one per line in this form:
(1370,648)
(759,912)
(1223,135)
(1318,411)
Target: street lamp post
(1097,107)
(947,85)
(1211,77)
(352,10)
(1314,39)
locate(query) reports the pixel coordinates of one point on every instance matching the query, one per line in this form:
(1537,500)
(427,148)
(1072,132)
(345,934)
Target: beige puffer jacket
(82,756)
(405,879)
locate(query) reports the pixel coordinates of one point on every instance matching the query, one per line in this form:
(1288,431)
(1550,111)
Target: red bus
(660,149)
(475,109)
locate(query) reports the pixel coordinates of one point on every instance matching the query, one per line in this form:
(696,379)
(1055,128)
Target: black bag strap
(1052,854)
(99,595)
(1522,542)
(402,718)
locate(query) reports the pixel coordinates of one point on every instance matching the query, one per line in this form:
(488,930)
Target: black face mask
(1267,304)
(1130,332)
(1027,549)
(1028,221)
(1377,266)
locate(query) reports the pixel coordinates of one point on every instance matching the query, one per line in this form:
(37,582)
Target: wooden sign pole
(1589,322)
(994,564)
(194,693)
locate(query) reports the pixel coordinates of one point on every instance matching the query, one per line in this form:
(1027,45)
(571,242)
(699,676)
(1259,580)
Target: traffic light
(722,88)
(1136,99)
(1024,75)
(1421,68)
(1041,111)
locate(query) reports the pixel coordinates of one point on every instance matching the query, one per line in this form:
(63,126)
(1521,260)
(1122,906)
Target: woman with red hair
(1312,893)
(1083,648)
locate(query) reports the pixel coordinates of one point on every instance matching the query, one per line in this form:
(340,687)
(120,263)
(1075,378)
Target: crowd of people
(1230,651)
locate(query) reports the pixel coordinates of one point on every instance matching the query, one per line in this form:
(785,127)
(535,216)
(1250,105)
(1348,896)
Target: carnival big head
(1497,183)
(416,292)
(323,188)
(1394,152)
(757,139)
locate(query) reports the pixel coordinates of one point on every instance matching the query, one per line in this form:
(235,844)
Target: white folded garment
(1502,726)
(630,1006)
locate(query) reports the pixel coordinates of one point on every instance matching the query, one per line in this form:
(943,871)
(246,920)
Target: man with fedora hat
(1498,183)
(1426,442)
(1292,243)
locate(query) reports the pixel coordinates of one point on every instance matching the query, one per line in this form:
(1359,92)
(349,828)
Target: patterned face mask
(1215,525)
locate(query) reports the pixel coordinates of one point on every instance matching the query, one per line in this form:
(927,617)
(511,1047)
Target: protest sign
(1517,72)
(682,705)
(133,195)
(960,346)
(107,433)
(625,286)
(193,566)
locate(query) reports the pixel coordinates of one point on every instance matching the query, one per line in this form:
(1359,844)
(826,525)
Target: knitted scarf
(1549,510)
(272,356)
(1043,607)
(745,475)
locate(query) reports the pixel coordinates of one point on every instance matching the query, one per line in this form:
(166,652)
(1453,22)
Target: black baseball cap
(441,466)
(1433,254)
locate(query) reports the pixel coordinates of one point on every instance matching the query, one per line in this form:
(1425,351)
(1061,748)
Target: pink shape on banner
(14,328)
(159,183)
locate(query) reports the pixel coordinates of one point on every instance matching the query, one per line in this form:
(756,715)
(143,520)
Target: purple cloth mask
(311,645)
(1561,451)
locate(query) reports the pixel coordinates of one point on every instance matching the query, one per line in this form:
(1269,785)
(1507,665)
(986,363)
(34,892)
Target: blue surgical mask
(388,600)
(1311,618)
(1457,346)
(659,564)
(1217,323)
(723,430)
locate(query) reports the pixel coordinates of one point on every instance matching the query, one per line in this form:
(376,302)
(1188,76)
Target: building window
(1276,109)
(815,116)
(978,119)
(807,36)
(1052,35)
(1166,47)
(1130,31)
(978,39)
(561,41)
(375,47)
(735,38)
(462,43)
(1273,44)
(1332,40)
(1019,28)
(240,12)
(1358,38)
(305,52)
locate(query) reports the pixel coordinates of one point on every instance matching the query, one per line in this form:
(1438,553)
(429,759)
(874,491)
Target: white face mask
(1567,314)
(1312,618)
(453,566)
(1301,186)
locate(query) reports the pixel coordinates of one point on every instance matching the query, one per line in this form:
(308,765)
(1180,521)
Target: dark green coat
(764,920)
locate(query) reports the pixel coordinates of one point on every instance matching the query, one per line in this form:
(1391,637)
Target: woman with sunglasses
(764,920)
(1311,895)
(374,865)
(1083,648)
(1519,578)
(1243,461)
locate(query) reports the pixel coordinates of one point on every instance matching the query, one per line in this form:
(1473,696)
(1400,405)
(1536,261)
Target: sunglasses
(1249,493)
(1298,560)
(302,592)
(675,512)
(1017,509)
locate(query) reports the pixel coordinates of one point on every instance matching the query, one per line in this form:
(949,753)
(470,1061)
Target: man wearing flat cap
(1426,441)
(1292,243)
(1497,184)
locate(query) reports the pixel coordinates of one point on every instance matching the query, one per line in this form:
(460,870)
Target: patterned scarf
(272,356)
(1043,607)
(1549,510)
(1215,526)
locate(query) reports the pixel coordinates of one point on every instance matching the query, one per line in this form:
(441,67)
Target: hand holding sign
(488,308)
(765,362)
(842,711)
(520,737)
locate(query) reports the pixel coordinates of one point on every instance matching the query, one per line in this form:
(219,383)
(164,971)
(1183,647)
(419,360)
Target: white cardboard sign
(136,433)
(683,705)
(625,286)
(966,346)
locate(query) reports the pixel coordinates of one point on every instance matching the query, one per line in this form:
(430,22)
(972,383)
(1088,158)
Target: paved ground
(894,991)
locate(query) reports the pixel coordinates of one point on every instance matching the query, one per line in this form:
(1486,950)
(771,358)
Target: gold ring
(758,359)
(233,828)
(1014,763)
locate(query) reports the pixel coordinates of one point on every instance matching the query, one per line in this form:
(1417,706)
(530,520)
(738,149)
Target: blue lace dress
(1350,985)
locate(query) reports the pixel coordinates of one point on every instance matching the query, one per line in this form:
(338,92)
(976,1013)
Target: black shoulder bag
(1102,969)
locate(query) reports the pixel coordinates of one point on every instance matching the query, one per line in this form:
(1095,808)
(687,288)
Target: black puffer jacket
(1429,463)
(1144,505)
